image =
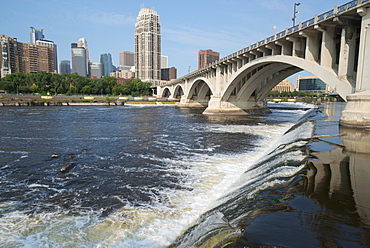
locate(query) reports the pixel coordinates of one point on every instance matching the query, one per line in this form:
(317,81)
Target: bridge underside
(198,97)
(246,94)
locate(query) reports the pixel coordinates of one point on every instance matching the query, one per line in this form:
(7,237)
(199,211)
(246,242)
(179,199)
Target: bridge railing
(302,25)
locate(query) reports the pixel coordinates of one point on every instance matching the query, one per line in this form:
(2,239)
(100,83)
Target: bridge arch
(257,78)
(178,92)
(199,93)
(166,92)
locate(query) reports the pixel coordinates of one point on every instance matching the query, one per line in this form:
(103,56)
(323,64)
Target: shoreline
(20,100)
(33,100)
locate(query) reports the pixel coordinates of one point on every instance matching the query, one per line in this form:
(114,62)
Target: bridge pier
(218,107)
(357,112)
(191,103)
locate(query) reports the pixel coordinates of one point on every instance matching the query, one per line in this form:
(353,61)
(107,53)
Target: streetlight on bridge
(295,12)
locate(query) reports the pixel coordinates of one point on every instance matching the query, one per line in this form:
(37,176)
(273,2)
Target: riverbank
(37,100)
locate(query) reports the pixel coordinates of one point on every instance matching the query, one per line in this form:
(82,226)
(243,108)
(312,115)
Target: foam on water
(209,181)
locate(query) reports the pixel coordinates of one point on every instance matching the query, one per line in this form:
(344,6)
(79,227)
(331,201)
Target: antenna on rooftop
(141,6)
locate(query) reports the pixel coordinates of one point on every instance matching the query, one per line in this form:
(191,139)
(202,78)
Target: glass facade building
(36,34)
(311,83)
(106,61)
(79,64)
(65,66)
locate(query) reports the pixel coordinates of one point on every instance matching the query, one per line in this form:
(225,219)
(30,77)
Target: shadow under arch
(166,92)
(178,92)
(254,80)
(199,93)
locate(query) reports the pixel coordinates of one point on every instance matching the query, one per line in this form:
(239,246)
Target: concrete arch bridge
(334,46)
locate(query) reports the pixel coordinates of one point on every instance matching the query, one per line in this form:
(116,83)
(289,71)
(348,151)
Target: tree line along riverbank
(69,84)
(33,100)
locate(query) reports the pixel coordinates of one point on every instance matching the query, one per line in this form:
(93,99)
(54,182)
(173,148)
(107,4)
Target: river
(161,176)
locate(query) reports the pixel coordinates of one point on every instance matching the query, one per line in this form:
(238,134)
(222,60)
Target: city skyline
(229,25)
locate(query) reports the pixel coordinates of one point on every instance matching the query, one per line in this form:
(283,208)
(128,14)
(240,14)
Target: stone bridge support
(357,112)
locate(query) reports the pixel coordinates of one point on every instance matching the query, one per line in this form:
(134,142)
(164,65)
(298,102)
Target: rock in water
(67,167)
(55,155)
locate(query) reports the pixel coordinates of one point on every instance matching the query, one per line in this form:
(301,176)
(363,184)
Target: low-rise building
(126,74)
(314,84)
(284,86)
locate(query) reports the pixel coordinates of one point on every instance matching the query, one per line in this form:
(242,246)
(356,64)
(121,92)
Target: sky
(225,26)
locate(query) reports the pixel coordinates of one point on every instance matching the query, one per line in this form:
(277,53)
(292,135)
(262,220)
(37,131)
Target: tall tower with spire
(82,42)
(36,34)
(148,46)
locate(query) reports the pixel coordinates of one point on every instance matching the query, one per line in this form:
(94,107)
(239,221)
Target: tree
(140,88)
(12,82)
(72,90)
(86,89)
(34,88)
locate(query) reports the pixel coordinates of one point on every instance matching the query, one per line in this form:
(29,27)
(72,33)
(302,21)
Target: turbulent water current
(141,176)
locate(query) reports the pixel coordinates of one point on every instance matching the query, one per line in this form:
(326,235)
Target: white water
(213,179)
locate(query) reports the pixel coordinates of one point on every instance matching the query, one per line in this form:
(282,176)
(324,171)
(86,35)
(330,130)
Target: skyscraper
(148,46)
(36,34)
(83,43)
(79,63)
(168,74)
(37,37)
(96,70)
(106,60)
(9,61)
(126,59)
(24,57)
(206,57)
(51,44)
(65,66)
(164,61)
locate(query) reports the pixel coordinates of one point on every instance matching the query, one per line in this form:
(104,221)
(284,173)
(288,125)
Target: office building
(168,74)
(126,59)
(65,66)
(96,70)
(79,62)
(9,60)
(37,37)
(206,57)
(284,86)
(24,57)
(148,46)
(126,74)
(164,61)
(311,83)
(82,42)
(51,44)
(106,60)
(36,34)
